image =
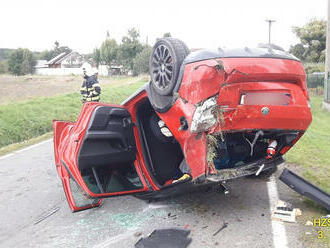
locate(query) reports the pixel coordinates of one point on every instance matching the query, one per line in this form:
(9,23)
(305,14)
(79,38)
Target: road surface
(30,191)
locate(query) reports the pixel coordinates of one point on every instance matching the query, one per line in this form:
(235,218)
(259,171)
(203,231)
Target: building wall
(66,71)
(59,71)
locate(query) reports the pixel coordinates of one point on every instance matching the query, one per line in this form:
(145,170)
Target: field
(26,119)
(24,88)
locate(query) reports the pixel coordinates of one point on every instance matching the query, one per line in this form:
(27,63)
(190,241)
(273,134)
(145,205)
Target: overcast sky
(82,25)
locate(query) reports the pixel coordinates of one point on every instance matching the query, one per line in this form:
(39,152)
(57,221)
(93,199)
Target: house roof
(56,59)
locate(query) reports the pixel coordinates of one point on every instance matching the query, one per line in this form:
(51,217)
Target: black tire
(164,64)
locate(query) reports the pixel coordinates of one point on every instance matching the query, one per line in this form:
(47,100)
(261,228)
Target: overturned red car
(204,118)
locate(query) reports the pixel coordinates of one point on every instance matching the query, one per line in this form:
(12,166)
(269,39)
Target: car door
(97,156)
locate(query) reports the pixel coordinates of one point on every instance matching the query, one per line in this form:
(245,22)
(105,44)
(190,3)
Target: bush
(21,62)
(141,61)
(3,67)
(314,67)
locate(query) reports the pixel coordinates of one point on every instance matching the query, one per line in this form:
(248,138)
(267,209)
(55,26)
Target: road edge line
(25,149)
(278,228)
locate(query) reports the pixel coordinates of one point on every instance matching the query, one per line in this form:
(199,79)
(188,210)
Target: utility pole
(269,29)
(326,102)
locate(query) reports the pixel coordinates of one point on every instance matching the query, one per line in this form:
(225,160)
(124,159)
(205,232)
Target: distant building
(62,64)
(71,64)
(41,64)
(63,60)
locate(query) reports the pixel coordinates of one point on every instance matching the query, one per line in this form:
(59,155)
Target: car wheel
(164,64)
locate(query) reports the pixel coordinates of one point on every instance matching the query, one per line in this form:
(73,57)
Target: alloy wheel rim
(162,67)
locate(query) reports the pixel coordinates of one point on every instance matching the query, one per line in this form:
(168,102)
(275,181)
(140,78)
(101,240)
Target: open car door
(96,156)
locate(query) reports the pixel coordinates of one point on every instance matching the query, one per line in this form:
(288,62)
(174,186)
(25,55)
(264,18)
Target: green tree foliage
(97,56)
(129,48)
(3,67)
(21,62)
(141,61)
(166,35)
(312,41)
(109,52)
(48,55)
(5,53)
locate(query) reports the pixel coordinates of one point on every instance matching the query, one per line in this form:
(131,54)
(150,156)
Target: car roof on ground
(238,53)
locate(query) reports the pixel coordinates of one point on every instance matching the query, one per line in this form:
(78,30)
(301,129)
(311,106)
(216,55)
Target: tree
(312,41)
(129,48)
(97,56)
(141,61)
(48,55)
(21,62)
(109,52)
(3,67)
(166,35)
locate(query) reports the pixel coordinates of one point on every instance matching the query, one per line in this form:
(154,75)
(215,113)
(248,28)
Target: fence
(315,80)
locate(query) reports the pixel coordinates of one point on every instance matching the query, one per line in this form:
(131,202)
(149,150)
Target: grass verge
(312,154)
(26,120)
(312,151)
(17,146)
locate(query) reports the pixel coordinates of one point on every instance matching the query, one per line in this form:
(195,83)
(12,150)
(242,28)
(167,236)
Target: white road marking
(25,149)
(113,240)
(278,228)
(6,156)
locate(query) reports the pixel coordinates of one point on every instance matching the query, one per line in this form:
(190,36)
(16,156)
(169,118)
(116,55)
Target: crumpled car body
(232,114)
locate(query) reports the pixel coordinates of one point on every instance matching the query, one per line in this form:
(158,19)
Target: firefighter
(90,88)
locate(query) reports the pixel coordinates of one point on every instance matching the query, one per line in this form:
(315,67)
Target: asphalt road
(30,190)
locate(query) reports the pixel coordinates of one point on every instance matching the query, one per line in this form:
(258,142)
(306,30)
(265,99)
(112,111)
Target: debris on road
(137,234)
(284,212)
(173,237)
(45,216)
(308,223)
(225,224)
(305,188)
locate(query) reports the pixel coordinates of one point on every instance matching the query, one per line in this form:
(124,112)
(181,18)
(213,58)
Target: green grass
(25,120)
(312,156)
(17,146)
(312,151)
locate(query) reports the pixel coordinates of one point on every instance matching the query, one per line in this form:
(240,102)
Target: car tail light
(205,116)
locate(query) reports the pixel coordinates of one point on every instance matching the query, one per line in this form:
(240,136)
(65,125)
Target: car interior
(161,152)
(108,151)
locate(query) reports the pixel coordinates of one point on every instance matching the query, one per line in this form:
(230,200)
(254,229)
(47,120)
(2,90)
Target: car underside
(204,118)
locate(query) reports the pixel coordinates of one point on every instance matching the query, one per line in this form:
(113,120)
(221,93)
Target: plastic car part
(164,64)
(204,116)
(174,238)
(305,188)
